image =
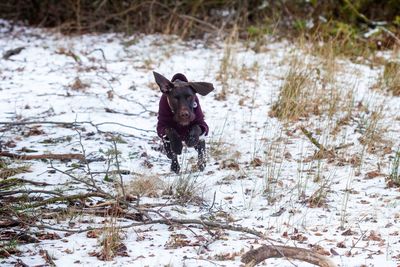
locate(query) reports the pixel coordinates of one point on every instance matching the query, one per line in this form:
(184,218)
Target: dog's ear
(202,88)
(164,84)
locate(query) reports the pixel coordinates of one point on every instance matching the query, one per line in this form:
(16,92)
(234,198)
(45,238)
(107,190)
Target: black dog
(180,118)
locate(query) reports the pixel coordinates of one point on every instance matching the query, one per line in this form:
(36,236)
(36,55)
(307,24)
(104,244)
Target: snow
(36,85)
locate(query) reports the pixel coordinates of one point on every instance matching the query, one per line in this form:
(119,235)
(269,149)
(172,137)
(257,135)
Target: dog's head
(181,95)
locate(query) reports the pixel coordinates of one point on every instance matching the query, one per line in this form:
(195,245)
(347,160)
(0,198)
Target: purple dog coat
(165,120)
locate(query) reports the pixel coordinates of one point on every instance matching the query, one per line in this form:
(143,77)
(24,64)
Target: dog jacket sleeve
(200,118)
(165,117)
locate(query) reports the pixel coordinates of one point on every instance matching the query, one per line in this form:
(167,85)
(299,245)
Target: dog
(180,118)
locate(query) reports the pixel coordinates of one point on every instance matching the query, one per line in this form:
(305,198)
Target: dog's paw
(193,138)
(201,165)
(175,166)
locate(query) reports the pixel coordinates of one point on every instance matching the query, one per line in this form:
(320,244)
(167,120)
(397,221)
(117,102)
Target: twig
(42,156)
(312,139)
(169,221)
(358,240)
(344,146)
(109,110)
(72,124)
(213,202)
(358,14)
(86,162)
(91,185)
(64,199)
(12,52)
(390,33)
(371,23)
(118,169)
(20,180)
(30,191)
(21,263)
(47,257)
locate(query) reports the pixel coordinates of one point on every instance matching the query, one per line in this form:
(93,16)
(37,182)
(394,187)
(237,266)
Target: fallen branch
(234,228)
(344,146)
(109,110)
(17,181)
(323,152)
(169,221)
(256,256)
(42,156)
(358,14)
(12,52)
(30,191)
(72,124)
(310,137)
(63,199)
(370,23)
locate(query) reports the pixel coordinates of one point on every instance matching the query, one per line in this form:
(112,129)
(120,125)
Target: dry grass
(390,79)
(373,131)
(148,186)
(186,188)
(313,89)
(6,172)
(394,177)
(229,66)
(296,96)
(273,163)
(111,238)
(320,196)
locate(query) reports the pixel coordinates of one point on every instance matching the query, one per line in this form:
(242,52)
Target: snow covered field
(82,92)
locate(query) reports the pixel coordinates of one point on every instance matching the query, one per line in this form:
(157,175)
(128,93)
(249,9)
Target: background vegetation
(197,18)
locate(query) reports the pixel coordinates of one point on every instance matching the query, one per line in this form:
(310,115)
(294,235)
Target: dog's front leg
(171,155)
(175,140)
(201,152)
(173,147)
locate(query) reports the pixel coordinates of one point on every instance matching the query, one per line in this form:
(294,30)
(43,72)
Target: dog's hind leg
(201,152)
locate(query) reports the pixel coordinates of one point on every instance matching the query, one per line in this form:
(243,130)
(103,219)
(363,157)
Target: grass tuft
(295,95)
(390,78)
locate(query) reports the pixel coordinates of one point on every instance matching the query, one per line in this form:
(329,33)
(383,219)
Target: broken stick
(255,256)
(312,139)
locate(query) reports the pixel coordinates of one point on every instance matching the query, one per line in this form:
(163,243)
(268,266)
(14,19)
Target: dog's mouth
(184,121)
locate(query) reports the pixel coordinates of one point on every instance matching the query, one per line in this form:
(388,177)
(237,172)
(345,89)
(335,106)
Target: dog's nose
(184,114)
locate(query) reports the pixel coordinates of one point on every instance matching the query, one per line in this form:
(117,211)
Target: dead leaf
(341,244)
(48,236)
(93,234)
(333,252)
(256,162)
(372,174)
(374,236)
(349,232)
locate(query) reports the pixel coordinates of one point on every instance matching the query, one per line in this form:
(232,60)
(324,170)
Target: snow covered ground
(261,173)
